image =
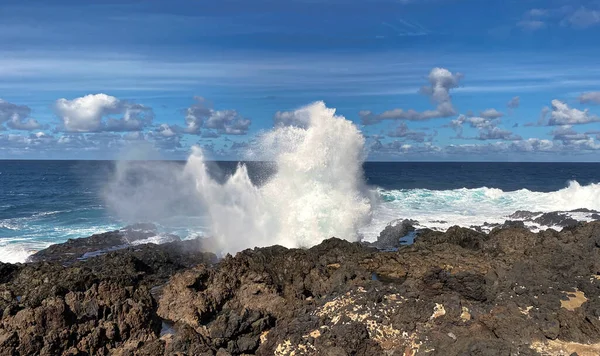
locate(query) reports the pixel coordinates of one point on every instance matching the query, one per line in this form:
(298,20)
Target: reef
(460,292)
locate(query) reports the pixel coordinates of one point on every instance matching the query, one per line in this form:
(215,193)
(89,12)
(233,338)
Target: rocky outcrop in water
(392,235)
(461,292)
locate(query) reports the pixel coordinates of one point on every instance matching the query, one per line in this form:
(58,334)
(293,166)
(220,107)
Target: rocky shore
(461,292)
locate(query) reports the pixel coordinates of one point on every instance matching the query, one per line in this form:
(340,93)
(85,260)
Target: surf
(317,192)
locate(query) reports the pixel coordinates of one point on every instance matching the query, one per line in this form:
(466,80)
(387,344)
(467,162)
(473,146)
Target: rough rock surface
(462,292)
(559,219)
(95,245)
(390,237)
(104,305)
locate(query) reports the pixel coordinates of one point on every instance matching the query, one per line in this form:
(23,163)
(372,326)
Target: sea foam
(441,209)
(317,191)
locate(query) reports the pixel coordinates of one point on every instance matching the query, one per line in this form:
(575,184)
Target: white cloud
(562,114)
(17,117)
(583,18)
(590,98)
(225,122)
(87,114)
(491,114)
(404,132)
(566,134)
(486,127)
(166,131)
(514,103)
(441,82)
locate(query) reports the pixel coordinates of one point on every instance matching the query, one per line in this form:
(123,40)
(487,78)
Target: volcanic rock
(390,237)
(461,292)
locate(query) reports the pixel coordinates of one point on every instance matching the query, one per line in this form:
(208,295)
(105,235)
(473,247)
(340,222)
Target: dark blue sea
(45,202)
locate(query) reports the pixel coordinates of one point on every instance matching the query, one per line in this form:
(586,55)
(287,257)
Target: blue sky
(423,79)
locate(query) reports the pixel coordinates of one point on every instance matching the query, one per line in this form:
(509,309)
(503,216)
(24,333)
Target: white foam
(473,207)
(156,239)
(315,194)
(9,224)
(16,253)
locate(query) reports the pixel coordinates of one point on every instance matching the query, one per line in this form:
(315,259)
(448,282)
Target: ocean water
(314,186)
(45,202)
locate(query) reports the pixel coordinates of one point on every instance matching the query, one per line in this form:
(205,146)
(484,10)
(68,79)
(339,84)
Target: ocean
(46,202)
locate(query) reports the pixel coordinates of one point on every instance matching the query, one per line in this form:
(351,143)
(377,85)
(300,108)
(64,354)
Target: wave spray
(317,191)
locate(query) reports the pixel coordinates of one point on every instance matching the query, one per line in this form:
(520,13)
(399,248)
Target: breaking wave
(317,191)
(441,209)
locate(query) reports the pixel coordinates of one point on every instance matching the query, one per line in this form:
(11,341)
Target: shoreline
(533,220)
(446,294)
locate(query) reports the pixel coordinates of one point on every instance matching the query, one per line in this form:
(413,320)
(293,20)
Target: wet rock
(583,210)
(390,237)
(524,215)
(513,224)
(456,235)
(555,219)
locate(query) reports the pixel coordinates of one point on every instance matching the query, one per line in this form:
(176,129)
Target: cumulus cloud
(566,134)
(441,81)
(496,133)
(525,147)
(17,117)
(402,131)
(201,116)
(165,130)
(562,114)
(487,128)
(399,148)
(590,98)
(514,103)
(94,113)
(491,114)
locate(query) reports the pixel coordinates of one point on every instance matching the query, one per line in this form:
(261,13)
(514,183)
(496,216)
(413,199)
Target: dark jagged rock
(95,245)
(595,216)
(456,293)
(559,219)
(555,219)
(461,236)
(391,236)
(524,215)
(98,306)
(583,210)
(513,224)
(7,272)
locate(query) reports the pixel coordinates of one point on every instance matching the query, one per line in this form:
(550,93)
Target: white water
(316,193)
(441,209)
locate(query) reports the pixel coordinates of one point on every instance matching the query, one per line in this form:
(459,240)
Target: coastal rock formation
(99,306)
(390,237)
(461,292)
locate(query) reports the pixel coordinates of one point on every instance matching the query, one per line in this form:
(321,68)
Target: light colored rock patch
(465,315)
(413,344)
(438,311)
(560,348)
(376,318)
(525,311)
(263,336)
(576,299)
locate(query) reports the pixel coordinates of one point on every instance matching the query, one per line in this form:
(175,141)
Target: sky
(424,80)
